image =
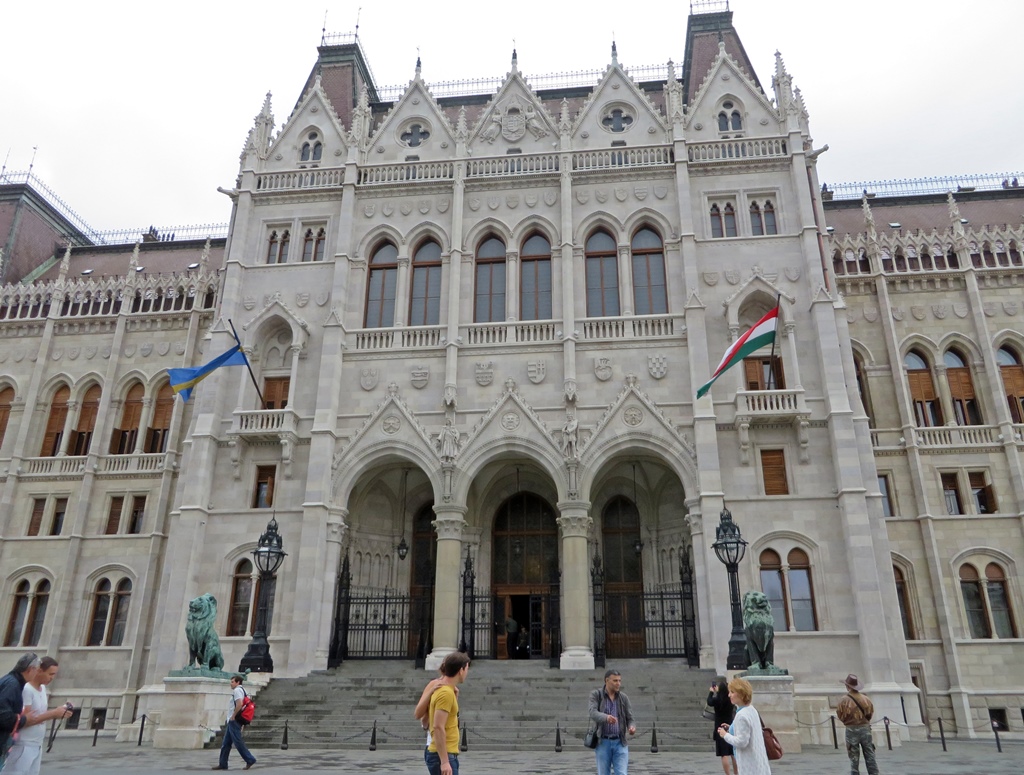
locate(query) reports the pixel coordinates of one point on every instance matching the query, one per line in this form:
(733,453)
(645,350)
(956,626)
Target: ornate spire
(615,54)
(204,259)
(869,217)
(782,83)
(564,120)
(955,219)
(461,129)
(419,66)
(515,61)
(258,141)
(65,263)
(133,264)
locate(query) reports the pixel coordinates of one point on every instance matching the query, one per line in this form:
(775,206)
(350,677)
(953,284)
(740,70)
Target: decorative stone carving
(633,416)
(388,208)
(451,395)
(443,205)
(732,276)
(322,298)
(917,310)
(710,278)
(493,202)
(570,437)
(536,371)
(661,191)
(1010,308)
(405,207)
(474,203)
(249,302)
(575,525)
(369,210)
(484,373)
(368,378)
(620,193)
(449,528)
(201,633)
(989,308)
(301,299)
(940,311)
(960,310)
(550,197)
(163,348)
(448,441)
(898,313)
(759,629)
(792,273)
(391,424)
(603,368)
(582,197)
(423,206)
(571,390)
(601,196)
(420,376)
(640,192)
(146,350)
(657,366)
(510,421)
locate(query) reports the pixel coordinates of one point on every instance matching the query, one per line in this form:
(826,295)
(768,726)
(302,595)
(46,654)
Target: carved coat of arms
(420,376)
(368,378)
(536,371)
(657,366)
(603,369)
(484,373)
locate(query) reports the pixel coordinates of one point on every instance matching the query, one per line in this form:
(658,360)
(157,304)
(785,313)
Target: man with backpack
(855,711)
(233,731)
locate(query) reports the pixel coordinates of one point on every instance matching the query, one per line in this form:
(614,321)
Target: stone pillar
(574,525)
(293,380)
(450,522)
(70,421)
(625,281)
(512,285)
(402,291)
(945,397)
(144,420)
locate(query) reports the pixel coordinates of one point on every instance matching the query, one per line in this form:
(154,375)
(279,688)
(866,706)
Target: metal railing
(918,186)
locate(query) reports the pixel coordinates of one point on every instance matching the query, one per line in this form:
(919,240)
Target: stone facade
(491,314)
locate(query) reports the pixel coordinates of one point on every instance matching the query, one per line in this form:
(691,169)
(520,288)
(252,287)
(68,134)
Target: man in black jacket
(11,705)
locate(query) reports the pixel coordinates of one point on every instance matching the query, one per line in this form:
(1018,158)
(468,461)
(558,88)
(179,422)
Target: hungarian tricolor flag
(761,334)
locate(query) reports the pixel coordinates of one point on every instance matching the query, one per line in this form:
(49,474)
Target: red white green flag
(761,334)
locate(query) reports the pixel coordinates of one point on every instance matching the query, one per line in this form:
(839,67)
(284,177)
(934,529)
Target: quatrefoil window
(415,135)
(617,120)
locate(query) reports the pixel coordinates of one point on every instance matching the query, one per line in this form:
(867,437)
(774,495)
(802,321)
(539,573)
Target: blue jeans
(233,737)
(611,754)
(433,761)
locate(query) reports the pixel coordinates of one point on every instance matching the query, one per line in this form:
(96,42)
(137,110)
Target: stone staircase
(503,706)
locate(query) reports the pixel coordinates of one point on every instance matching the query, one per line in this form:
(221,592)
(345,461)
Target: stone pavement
(76,756)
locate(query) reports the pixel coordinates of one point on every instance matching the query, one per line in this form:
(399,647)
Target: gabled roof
(703,33)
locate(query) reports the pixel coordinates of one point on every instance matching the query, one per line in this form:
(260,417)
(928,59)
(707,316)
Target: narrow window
(717,226)
(59,510)
(138,514)
(602,275)
(729,216)
(736,120)
(306,152)
(241,595)
(773,584)
(35,521)
(770,226)
(974,603)
(885,487)
(275,392)
(425,303)
(773,470)
(927,411)
(801,591)
(998,601)
(535,287)
(764,373)
(756,222)
(82,437)
(318,151)
(160,426)
(55,422)
(1013,381)
(37,614)
(308,243)
(119,618)
(263,497)
(951,494)
(723,122)
(380,293)
(100,609)
(863,389)
(273,248)
(19,610)
(903,598)
(114,515)
(981,493)
(123,440)
(650,295)
(961,390)
(489,306)
(6,399)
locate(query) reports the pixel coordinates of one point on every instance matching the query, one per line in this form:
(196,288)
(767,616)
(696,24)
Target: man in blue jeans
(609,710)
(233,730)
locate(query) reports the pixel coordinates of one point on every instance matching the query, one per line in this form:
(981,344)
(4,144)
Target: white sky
(139,110)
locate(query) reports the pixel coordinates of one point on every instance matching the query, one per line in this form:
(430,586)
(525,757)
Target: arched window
(961,389)
(241,598)
(160,425)
(602,275)
(756,221)
(55,422)
(425,304)
(650,296)
(313,245)
(1013,381)
(723,122)
(736,120)
(37,613)
(424,552)
(125,435)
(312,149)
(903,598)
(729,118)
(6,399)
(277,247)
(380,292)
(770,225)
(489,306)
(729,217)
(19,610)
(109,613)
(999,601)
(82,436)
(862,388)
(717,226)
(525,542)
(535,285)
(927,410)
(723,220)
(773,585)
(801,591)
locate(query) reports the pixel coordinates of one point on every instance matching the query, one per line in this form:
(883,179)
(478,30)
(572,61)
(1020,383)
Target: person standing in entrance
(511,636)
(855,711)
(26,755)
(609,709)
(443,752)
(233,730)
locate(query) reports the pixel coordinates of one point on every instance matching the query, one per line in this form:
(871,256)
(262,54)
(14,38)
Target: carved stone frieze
(575,525)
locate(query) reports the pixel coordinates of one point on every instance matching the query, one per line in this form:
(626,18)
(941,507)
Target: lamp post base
(257,658)
(737,659)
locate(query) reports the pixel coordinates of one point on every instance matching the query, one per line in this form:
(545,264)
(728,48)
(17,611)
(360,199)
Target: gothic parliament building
(479,322)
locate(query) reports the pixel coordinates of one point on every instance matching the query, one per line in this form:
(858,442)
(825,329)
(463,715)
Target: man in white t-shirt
(233,730)
(27,753)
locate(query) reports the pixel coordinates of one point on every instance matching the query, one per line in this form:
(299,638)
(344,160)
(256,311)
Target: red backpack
(248,710)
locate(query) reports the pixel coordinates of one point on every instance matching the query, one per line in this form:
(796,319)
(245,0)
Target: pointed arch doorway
(421,583)
(525,578)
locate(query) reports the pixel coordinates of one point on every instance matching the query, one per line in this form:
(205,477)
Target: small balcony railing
(770,405)
(959,436)
(145,463)
(264,424)
(61,466)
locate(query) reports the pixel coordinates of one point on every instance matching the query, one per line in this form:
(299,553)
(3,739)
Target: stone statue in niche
(570,437)
(448,441)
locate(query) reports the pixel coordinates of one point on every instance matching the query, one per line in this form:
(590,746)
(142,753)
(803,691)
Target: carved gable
(414,127)
(312,122)
(515,118)
(727,90)
(618,111)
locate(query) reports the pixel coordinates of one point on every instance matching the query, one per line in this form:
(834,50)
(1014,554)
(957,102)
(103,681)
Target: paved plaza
(76,756)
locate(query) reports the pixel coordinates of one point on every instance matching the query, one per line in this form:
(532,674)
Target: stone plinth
(194,707)
(773,698)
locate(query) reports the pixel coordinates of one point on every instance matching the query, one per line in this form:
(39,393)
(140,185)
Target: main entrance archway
(525,578)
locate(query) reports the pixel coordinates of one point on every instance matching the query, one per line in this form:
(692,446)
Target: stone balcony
(264,426)
(764,406)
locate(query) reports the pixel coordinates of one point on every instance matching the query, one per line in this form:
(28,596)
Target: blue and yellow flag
(183,380)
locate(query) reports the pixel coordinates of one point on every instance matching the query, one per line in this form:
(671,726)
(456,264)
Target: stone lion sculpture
(203,643)
(759,627)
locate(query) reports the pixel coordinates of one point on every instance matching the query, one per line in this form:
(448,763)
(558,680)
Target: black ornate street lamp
(268,555)
(730,548)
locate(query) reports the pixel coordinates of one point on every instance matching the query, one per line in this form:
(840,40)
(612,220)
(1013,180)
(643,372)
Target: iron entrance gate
(656,622)
(379,623)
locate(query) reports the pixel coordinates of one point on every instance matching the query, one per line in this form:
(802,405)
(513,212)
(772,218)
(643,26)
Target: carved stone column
(449,524)
(574,524)
(625,281)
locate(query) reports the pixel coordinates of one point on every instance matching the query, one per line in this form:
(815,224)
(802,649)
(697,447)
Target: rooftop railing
(919,186)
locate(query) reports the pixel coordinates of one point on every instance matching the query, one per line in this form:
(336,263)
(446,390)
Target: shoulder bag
(591,739)
(772,746)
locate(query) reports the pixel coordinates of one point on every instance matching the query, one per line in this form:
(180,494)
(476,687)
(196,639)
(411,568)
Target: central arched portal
(525,578)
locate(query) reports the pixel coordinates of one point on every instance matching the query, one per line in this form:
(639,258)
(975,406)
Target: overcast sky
(139,110)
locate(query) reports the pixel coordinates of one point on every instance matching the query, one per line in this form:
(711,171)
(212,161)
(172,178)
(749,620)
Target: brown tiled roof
(154,258)
(927,212)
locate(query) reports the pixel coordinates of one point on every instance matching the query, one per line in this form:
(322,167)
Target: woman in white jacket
(745,734)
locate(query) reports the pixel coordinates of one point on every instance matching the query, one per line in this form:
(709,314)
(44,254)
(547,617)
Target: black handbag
(591,740)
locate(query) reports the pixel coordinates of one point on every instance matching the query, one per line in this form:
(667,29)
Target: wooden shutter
(960,384)
(921,386)
(275,392)
(138,514)
(114,515)
(86,421)
(160,426)
(35,522)
(122,442)
(1013,383)
(773,469)
(6,399)
(55,422)
(754,373)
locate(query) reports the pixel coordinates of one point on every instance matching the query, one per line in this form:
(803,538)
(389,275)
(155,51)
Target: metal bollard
(835,736)
(942,734)
(464,740)
(284,740)
(654,738)
(373,737)
(558,738)
(142,728)
(888,737)
(995,731)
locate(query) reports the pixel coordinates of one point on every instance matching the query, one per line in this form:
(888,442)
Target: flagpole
(771,358)
(263,404)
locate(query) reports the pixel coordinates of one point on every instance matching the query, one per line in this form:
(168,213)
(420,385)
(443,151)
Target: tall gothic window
(160,425)
(6,399)
(109,613)
(425,304)
(535,286)
(125,435)
(82,436)
(241,598)
(277,247)
(380,293)
(313,245)
(927,410)
(1013,381)
(961,389)
(602,275)
(903,598)
(650,295)
(489,306)
(55,422)
(19,611)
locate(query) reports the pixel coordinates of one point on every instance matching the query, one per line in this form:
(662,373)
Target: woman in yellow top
(442,755)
